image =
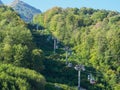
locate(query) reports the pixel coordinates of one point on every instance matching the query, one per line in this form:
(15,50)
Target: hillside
(25,10)
(94,38)
(45,57)
(18,54)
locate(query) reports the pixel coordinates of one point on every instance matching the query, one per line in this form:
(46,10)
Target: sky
(44,5)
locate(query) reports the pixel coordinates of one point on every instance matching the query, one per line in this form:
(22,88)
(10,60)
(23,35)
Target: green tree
(16,78)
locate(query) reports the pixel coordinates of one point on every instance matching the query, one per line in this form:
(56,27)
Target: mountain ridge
(25,10)
(1,3)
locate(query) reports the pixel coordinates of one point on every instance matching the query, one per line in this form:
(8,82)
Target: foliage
(94,36)
(16,42)
(16,78)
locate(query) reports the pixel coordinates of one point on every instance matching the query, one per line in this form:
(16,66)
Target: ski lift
(66,48)
(91,79)
(56,47)
(69,52)
(69,65)
(79,67)
(48,39)
(58,42)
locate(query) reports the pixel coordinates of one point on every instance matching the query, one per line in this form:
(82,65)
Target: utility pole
(54,45)
(79,68)
(91,79)
(66,49)
(68,52)
(79,79)
(37,27)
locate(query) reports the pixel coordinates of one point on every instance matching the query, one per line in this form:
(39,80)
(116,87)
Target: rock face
(25,11)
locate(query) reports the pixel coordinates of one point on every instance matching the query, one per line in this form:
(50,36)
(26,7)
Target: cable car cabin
(89,76)
(69,65)
(92,81)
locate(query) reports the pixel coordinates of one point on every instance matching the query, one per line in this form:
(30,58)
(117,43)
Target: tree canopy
(27,50)
(93,35)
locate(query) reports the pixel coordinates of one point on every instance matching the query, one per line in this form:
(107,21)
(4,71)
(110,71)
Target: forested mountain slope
(26,50)
(18,54)
(94,37)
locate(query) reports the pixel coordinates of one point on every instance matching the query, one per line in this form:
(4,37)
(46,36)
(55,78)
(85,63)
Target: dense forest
(29,59)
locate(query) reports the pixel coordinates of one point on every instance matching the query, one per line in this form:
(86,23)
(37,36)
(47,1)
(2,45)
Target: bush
(16,78)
